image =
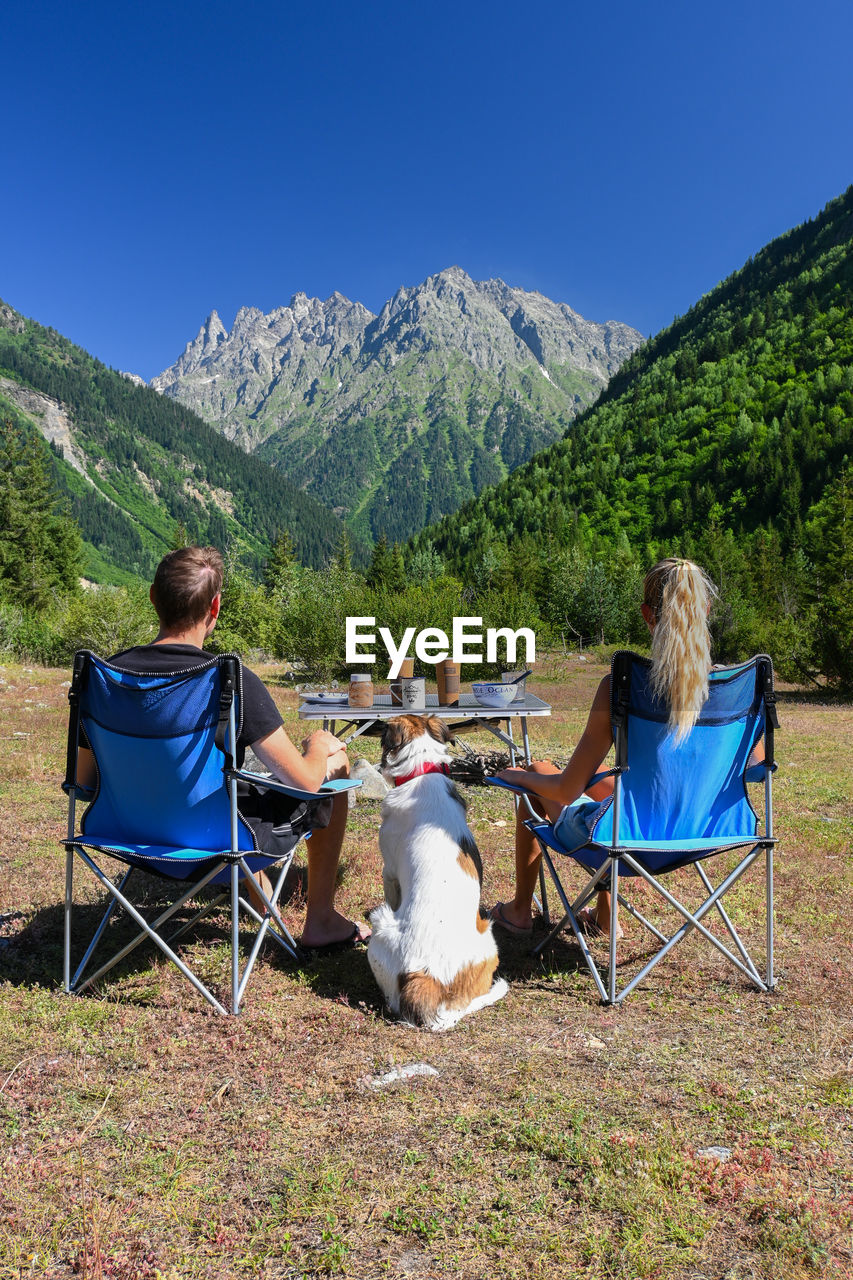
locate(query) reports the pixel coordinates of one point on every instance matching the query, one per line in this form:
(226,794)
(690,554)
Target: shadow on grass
(346,977)
(813,697)
(32,956)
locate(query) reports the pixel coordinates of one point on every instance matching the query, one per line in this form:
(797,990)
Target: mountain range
(393,420)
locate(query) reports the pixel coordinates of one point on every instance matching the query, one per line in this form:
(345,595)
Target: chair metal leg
(543,895)
(206,910)
(122,885)
(580,901)
(235,937)
(266,923)
(768,872)
(247,909)
(570,919)
(66,949)
(733,933)
(284,938)
(614,900)
(148,931)
(692,921)
(640,918)
(770,906)
(69,879)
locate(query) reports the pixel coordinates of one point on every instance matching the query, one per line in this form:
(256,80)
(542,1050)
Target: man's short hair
(184,585)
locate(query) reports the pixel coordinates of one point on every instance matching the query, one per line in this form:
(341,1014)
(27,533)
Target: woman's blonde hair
(679,594)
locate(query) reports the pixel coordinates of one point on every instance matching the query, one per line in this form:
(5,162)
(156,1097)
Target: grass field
(144,1136)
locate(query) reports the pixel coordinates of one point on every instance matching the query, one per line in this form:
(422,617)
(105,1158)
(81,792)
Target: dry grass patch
(145,1136)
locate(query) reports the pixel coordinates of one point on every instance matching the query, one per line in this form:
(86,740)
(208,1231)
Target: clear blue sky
(164,159)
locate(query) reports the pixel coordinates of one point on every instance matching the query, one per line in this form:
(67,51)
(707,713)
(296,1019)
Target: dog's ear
(438,730)
(393,736)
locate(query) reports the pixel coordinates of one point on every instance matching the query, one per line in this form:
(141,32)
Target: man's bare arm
(87,774)
(320,757)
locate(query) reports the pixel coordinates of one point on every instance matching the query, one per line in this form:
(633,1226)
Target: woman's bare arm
(587,757)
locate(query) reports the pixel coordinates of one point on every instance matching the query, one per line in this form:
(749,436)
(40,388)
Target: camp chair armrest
(79,792)
(492,781)
(758,772)
(522,791)
(286,788)
(607,773)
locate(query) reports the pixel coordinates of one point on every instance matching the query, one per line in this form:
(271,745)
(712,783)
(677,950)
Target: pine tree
(381,571)
(281,561)
(343,553)
(831,536)
(40,546)
(397,580)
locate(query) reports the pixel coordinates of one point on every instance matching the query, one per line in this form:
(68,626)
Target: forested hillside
(740,412)
(140,470)
(726,436)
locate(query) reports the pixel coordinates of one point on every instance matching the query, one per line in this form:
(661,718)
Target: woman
(677,597)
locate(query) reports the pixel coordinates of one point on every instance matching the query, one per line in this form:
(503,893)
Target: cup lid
(360,675)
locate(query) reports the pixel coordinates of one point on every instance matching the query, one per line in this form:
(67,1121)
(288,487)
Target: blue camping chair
(165,802)
(675,806)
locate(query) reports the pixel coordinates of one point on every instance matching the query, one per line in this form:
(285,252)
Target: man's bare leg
(323,924)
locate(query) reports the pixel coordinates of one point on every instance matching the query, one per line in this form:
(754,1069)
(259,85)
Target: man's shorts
(279,821)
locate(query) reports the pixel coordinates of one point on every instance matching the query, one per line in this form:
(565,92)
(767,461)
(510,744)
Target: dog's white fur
(431,952)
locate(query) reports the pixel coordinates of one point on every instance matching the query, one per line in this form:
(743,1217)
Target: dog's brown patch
(483,921)
(469,859)
(398,732)
(472,981)
(421,994)
(402,730)
(438,729)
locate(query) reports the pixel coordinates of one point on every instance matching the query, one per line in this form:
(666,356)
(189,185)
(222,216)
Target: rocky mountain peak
(10,319)
(335,394)
(213,330)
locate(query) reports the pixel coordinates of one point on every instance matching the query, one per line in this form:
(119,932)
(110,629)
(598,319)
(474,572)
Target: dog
(431,951)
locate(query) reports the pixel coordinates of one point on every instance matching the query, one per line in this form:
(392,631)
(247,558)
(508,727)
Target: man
(187,596)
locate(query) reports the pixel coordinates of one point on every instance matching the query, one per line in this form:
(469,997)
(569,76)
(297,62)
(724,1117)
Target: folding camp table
(466,717)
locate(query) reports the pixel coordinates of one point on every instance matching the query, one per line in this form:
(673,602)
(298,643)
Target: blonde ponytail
(679,594)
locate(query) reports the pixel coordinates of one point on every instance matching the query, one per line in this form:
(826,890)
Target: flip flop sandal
(355,939)
(497,917)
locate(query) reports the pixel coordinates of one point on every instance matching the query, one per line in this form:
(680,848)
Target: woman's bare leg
(528,856)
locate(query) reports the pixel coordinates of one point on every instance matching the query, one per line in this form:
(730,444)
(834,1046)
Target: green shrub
(107,620)
(310,608)
(249,620)
(29,636)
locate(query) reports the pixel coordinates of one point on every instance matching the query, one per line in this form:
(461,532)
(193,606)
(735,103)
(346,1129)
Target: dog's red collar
(422,768)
